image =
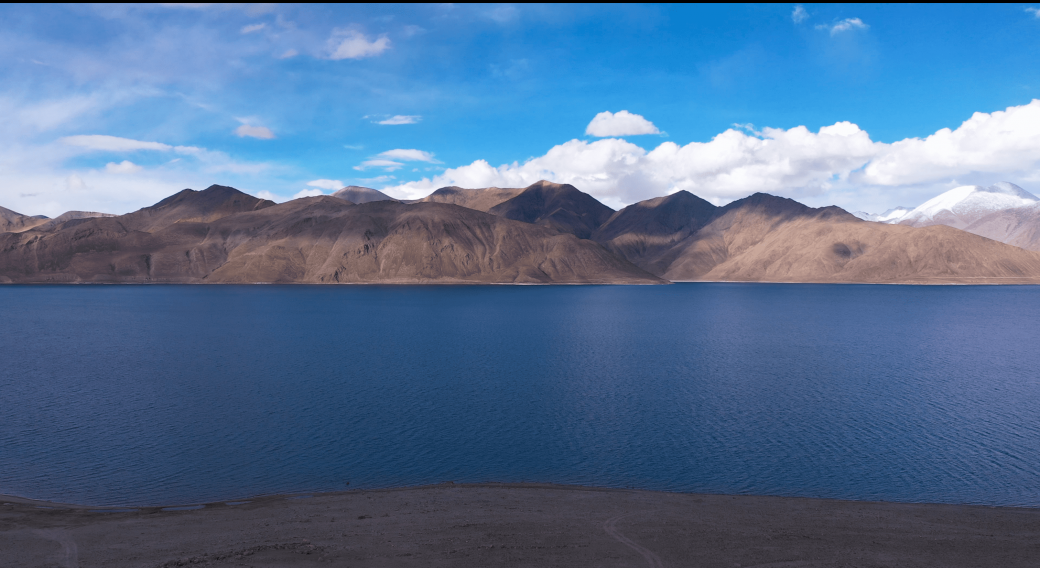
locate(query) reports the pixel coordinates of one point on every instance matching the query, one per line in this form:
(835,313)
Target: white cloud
(264,194)
(837,163)
(799,14)
(253,28)
(622,123)
(1003,141)
(124,167)
(401,119)
(352,44)
(844,26)
(409,156)
(106,143)
(289,53)
(389,165)
(330,184)
(1034,11)
(308,193)
(261,132)
(75,183)
(503,13)
(378,179)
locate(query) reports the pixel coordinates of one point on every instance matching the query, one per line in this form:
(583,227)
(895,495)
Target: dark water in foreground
(178,394)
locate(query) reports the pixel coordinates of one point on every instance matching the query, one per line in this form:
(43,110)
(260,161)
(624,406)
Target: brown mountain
(642,232)
(358,194)
(560,206)
(210,204)
(11,221)
(480,199)
(315,240)
(51,224)
(767,238)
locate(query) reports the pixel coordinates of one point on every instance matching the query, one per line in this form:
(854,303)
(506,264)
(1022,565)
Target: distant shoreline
(265,498)
(519,524)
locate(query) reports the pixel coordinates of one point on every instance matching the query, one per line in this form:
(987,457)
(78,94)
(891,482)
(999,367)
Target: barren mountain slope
(51,224)
(480,199)
(358,194)
(11,221)
(210,204)
(766,238)
(560,206)
(316,240)
(642,231)
(1019,227)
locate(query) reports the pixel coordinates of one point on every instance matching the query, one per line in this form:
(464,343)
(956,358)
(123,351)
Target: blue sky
(112,108)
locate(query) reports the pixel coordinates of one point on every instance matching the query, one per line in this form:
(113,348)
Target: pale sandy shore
(521,525)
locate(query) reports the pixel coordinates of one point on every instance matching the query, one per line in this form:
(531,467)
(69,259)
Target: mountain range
(543,233)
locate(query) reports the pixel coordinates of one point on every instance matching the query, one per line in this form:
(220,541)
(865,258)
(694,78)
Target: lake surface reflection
(132,395)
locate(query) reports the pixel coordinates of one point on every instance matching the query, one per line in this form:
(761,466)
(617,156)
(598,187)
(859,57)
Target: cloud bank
(840,159)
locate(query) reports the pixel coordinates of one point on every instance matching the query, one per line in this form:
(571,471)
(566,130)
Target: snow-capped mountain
(890,216)
(962,206)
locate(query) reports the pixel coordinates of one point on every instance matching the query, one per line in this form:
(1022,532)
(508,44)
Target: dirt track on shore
(521,525)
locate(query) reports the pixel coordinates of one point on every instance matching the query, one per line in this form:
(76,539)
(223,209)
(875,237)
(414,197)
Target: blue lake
(132,395)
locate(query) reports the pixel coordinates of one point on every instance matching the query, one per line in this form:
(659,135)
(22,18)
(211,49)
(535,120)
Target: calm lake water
(180,394)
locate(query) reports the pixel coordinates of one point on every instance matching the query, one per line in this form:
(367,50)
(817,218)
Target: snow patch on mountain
(962,206)
(891,216)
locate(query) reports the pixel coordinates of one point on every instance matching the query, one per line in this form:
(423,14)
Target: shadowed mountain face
(358,194)
(560,206)
(313,240)
(11,221)
(643,231)
(481,199)
(210,204)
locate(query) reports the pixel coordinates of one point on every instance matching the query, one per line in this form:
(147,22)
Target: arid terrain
(544,233)
(520,525)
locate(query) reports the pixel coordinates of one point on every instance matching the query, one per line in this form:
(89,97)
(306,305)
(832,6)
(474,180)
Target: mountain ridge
(222,235)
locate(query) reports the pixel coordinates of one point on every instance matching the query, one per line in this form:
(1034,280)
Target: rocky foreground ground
(521,525)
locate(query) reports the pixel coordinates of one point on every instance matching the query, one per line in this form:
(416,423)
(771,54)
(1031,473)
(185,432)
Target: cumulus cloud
(401,119)
(836,160)
(844,26)
(330,184)
(352,44)
(622,123)
(409,156)
(124,167)
(731,165)
(308,193)
(261,132)
(1002,141)
(799,14)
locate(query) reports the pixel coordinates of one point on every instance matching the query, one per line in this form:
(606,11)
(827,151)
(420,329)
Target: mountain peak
(962,206)
(560,206)
(358,194)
